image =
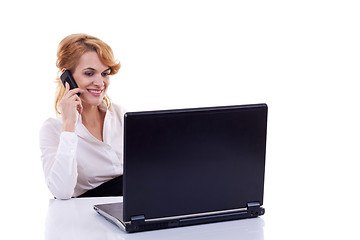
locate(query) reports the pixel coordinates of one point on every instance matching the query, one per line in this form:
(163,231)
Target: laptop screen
(189,161)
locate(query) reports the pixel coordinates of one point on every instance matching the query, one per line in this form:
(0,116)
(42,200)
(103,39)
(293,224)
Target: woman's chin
(93,101)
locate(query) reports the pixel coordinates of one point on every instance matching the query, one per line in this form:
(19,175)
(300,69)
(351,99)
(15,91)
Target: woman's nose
(98,81)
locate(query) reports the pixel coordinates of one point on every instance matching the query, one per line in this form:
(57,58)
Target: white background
(302,58)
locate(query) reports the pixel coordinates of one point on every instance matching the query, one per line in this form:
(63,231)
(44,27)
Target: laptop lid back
(190,161)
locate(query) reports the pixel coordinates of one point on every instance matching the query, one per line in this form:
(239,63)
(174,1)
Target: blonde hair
(69,51)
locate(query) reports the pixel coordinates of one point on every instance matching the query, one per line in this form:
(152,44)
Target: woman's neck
(91,115)
(93,119)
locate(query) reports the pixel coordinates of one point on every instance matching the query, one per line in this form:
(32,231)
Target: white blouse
(75,162)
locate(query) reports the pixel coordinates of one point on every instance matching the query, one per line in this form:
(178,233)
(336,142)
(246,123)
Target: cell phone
(67,77)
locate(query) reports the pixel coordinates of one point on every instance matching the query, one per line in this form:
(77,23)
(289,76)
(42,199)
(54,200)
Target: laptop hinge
(255,209)
(137,220)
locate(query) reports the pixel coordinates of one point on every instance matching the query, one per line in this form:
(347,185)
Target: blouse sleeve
(58,155)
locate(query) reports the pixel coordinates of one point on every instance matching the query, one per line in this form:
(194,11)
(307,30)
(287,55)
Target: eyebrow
(93,69)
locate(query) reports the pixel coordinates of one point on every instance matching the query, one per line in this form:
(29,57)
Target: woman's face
(92,76)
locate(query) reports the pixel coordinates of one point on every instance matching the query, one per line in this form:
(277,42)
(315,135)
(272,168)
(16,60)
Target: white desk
(76,219)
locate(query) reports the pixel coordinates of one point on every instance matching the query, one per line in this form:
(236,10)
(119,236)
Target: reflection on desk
(76,219)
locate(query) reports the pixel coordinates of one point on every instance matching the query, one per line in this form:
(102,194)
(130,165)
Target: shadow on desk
(76,219)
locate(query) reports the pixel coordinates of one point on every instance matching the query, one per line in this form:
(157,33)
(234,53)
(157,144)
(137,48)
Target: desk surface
(76,219)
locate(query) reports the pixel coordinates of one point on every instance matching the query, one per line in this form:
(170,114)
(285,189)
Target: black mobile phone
(67,77)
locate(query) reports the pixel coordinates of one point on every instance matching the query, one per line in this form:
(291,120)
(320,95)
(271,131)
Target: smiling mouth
(95,92)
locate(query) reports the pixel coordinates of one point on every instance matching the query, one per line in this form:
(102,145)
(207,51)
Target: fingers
(71,92)
(77,90)
(71,95)
(69,105)
(79,107)
(74,98)
(67,88)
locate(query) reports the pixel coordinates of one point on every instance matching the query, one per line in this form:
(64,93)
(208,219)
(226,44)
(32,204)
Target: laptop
(191,166)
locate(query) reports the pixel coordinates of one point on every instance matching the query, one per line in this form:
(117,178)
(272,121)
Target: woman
(82,147)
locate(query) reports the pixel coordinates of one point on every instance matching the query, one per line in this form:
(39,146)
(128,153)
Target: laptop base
(113,213)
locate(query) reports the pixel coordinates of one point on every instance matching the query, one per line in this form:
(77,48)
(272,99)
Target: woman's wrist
(68,127)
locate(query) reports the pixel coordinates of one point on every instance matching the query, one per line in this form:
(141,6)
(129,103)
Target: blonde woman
(82,147)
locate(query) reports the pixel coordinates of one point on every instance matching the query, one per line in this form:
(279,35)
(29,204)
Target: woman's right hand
(69,105)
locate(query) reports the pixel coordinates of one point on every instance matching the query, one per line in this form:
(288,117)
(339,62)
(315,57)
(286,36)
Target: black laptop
(191,166)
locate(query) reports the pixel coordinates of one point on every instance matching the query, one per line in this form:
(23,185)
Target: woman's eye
(105,74)
(89,74)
